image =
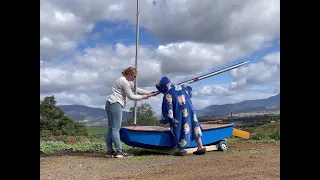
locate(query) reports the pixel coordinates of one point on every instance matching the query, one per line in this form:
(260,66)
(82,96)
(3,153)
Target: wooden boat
(157,137)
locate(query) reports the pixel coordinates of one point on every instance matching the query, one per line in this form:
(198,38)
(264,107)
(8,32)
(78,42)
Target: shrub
(267,131)
(53,121)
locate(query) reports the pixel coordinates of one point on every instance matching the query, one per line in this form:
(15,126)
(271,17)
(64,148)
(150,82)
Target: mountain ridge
(244,106)
(81,112)
(98,115)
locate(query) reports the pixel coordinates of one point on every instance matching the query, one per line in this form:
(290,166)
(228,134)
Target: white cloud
(207,90)
(69,98)
(195,38)
(97,69)
(248,22)
(210,21)
(272,59)
(261,73)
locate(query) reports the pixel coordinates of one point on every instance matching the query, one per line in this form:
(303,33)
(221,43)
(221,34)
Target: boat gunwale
(213,126)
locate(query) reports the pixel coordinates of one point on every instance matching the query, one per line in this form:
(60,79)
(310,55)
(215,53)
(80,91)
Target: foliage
(48,147)
(53,121)
(267,132)
(71,139)
(96,131)
(145,116)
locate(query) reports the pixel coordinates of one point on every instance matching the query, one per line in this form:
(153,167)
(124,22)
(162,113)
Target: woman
(178,110)
(117,101)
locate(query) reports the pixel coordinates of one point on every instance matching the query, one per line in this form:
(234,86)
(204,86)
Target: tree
(53,121)
(145,116)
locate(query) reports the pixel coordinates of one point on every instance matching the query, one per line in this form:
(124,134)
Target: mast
(136,63)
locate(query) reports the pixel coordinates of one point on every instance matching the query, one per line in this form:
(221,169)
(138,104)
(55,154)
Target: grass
(48,147)
(96,143)
(252,151)
(96,131)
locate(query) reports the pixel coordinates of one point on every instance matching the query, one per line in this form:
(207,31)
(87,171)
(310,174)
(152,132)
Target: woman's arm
(142,91)
(139,90)
(127,90)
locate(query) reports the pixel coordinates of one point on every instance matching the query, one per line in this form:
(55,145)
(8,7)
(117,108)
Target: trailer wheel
(222,146)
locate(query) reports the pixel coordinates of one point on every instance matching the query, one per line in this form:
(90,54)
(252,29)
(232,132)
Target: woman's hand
(145,96)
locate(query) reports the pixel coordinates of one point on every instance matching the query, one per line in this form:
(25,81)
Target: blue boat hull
(155,137)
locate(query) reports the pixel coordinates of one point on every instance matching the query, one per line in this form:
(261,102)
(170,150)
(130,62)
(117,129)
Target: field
(84,158)
(96,131)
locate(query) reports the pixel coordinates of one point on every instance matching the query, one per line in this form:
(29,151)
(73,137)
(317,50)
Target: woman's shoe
(123,154)
(110,153)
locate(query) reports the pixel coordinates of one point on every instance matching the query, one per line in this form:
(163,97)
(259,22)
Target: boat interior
(207,125)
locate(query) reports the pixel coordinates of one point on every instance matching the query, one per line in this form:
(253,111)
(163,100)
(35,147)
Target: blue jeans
(114,112)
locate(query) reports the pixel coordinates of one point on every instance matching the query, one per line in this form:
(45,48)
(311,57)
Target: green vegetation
(97,145)
(53,121)
(97,132)
(270,131)
(58,132)
(51,147)
(265,133)
(145,114)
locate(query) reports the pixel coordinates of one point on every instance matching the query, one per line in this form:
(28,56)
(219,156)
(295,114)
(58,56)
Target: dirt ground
(243,160)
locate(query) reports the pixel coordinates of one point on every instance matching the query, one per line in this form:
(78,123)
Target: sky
(85,45)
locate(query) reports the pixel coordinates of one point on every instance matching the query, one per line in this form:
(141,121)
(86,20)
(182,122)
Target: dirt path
(242,161)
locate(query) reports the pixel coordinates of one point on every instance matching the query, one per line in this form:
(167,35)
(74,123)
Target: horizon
(85,45)
(159,114)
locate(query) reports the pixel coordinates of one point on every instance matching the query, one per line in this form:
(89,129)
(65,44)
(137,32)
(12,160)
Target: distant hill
(98,115)
(244,106)
(80,113)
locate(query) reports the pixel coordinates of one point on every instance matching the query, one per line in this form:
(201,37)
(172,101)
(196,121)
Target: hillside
(98,116)
(244,106)
(95,116)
